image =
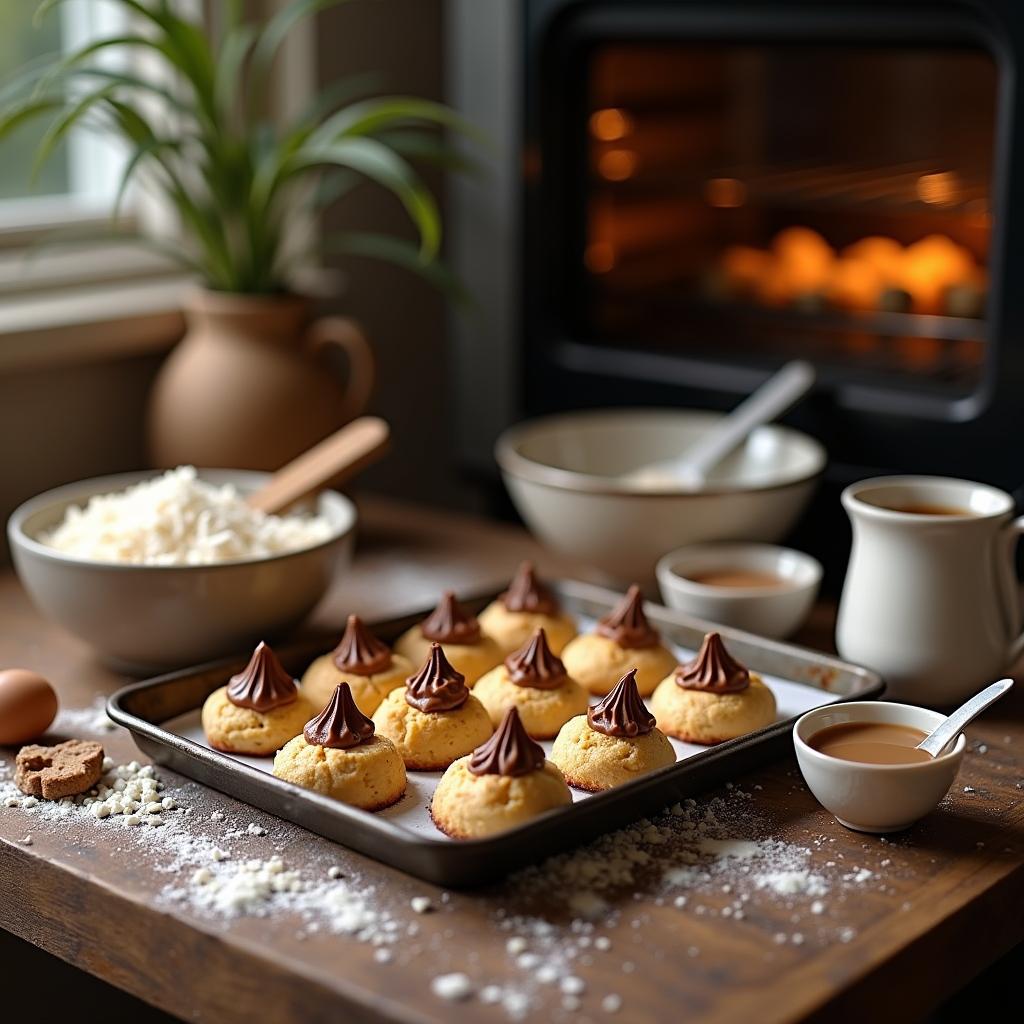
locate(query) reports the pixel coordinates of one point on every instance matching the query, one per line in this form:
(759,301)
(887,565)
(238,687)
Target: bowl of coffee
(861,762)
(761,588)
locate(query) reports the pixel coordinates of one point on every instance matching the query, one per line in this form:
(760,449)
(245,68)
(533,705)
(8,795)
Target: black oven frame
(868,428)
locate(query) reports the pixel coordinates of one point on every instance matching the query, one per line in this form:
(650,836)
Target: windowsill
(88,324)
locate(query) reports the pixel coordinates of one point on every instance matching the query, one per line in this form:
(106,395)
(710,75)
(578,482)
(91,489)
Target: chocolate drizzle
(341,724)
(714,669)
(622,712)
(263,684)
(359,651)
(535,666)
(627,624)
(437,686)
(509,752)
(450,623)
(526,593)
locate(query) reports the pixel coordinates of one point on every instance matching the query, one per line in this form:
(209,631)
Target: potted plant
(244,388)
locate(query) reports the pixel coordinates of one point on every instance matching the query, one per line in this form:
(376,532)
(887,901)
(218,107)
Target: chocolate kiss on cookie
(526,593)
(627,624)
(263,684)
(359,651)
(437,686)
(509,752)
(450,623)
(714,669)
(622,712)
(535,665)
(341,724)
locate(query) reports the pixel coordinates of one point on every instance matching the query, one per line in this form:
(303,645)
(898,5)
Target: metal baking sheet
(163,714)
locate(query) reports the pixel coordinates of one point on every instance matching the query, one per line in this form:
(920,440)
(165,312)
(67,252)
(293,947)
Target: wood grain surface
(942,903)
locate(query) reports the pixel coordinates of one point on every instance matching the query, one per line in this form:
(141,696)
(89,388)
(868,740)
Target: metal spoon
(777,394)
(940,738)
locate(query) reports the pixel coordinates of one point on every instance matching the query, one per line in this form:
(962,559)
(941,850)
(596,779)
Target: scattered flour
(712,858)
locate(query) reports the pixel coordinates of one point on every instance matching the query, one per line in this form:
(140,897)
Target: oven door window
(755,202)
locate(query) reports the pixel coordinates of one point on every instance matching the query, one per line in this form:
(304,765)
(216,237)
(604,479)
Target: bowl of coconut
(160,571)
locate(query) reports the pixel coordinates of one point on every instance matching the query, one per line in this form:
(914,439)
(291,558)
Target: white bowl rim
(666,572)
(515,464)
(804,748)
(852,499)
(66,494)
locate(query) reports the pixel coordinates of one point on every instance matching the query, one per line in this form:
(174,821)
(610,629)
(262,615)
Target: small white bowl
(875,797)
(768,611)
(148,618)
(568,477)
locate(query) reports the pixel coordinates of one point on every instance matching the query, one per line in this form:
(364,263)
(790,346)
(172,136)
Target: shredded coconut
(178,519)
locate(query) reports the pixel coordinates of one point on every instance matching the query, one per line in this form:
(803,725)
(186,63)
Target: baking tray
(145,708)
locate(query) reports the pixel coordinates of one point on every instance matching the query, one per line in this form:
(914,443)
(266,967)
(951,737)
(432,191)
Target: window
(78,181)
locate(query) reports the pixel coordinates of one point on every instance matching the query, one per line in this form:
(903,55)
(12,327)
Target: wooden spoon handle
(336,458)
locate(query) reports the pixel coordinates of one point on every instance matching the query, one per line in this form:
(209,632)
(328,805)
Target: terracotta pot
(248,386)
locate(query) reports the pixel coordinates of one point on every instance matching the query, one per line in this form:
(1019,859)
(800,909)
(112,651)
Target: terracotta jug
(248,386)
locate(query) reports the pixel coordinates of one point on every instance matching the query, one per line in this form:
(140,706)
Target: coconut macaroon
(622,640)
(472,651)
(367,664)
(258,711)
(528,605)
(502,784)
(435,719)
(534,681)
(337,754)
(614,742)
(712,698)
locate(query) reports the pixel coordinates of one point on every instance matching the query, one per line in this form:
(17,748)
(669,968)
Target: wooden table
(943,901)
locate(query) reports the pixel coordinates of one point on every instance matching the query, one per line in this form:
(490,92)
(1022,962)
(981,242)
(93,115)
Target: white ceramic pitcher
(931,600)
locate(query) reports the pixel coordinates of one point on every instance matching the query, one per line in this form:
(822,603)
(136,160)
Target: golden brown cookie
(623,639)
(429,741)
(534,681)
(712,698)
(337,754)
(258,711)
(528,605)
(65,769)
(466,646)
(361,660)
(504,783)
(615,742)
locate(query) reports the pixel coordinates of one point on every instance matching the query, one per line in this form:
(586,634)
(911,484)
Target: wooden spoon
(335,459)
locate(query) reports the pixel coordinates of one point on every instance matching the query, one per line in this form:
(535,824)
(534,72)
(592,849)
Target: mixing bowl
(144,618)
(566,476)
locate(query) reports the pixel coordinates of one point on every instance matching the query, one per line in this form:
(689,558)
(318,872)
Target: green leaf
(237,44)
(150,149)
(373,115)
(68,120)
(379,164)
(278,28)
(419,145)
(402,254)
(27,110)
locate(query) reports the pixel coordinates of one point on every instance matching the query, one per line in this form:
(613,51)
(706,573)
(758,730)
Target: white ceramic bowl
(565,472)
(767,611)
(152,618)
(875,797)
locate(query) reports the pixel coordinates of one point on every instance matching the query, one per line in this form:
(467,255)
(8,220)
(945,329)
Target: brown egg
(28,704)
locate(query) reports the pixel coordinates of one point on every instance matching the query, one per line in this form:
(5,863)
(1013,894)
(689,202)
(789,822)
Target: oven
(705,191)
